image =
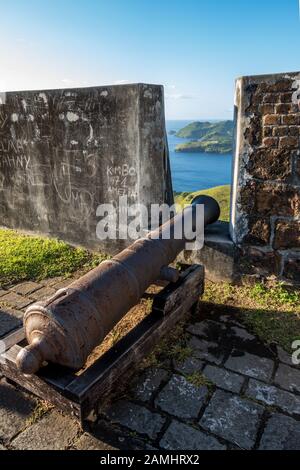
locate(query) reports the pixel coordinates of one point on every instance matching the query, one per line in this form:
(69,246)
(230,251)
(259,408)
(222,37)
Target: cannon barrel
(66,328)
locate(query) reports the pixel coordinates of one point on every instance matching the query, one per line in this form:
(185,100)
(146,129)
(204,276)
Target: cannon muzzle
(66,328)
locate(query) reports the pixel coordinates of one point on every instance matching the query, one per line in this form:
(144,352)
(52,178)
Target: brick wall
(265,215)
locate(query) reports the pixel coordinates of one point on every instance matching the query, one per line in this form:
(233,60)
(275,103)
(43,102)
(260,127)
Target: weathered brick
(271,120)
(253,133)
(289,142)
(270,142)
(294,131)
(284,108)
(255,260)
(271,98)
(291,268)
(259,231)
(282,85)
(286,97)
(270,164)
(268,131)
(287,235)
(267,109)
(280,131)
(291,120)
(279,199)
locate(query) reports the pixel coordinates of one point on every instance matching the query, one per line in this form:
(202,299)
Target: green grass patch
(199,380)
(271,311)
(24,257)
(220,193)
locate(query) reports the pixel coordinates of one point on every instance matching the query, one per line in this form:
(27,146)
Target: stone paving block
(241,334)
(62,284)
(206,350)
(181,398)
(15,300)
(149,383)
(8,322)
(15,409)
(288,378)
(43,293)
(2,292)
(26,288)
(273,396)
(182,437)
(137,418)
(88,442)
(53,432)
(2,447)
(286,357)
(207,329)
(189,366)
(250,365)
(224,379)
(231,319)
(281,433)
(105,432)
(51,281)
(233,418)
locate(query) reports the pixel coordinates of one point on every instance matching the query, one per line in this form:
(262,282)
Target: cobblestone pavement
(230,392)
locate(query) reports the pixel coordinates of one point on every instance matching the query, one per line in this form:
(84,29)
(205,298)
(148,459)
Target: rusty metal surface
(67,327)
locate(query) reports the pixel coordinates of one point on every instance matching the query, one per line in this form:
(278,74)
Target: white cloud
(180,96)
(67,81)
(121,82)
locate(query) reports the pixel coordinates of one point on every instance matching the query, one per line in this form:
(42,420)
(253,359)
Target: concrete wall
(265,215)
(64,152)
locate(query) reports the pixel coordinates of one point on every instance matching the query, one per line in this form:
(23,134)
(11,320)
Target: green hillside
(220,193)
(207,130)
(209,137)
(221,145)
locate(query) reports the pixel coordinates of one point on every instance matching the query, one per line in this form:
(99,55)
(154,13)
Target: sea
(196,171)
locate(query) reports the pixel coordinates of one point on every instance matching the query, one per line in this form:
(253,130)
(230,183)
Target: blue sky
(195,48)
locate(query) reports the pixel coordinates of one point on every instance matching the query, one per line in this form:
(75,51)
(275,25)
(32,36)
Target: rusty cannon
(66,328)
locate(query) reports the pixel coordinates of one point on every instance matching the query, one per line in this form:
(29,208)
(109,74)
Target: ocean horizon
(196,171)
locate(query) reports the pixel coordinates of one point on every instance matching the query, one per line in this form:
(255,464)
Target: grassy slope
(217,137)
(220,193)
(207,130)
(25,257)
(220,145)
